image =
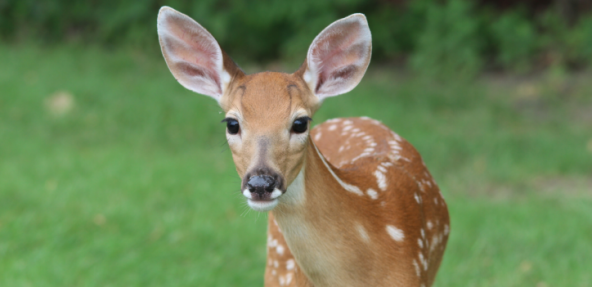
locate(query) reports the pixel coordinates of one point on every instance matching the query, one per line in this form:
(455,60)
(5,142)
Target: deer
(349,202)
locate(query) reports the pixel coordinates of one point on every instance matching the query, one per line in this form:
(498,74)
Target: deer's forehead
(269,98)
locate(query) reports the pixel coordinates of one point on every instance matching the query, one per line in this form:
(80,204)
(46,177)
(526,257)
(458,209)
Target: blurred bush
(565,45)
(515,41)
(450,40)
(436,36)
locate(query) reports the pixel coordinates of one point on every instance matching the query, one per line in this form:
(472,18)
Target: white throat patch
(295,194)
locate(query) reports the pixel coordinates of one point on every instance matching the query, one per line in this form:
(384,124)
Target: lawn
(112,174)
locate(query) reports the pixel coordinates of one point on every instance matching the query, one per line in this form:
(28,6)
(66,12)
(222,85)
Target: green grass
(135,185)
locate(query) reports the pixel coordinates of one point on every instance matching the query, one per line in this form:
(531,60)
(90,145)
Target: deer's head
(267,114)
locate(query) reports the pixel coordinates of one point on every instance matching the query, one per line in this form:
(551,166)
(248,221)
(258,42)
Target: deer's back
(399,207)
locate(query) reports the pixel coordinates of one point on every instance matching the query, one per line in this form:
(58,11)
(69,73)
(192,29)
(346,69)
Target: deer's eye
(232,126)
(300,125)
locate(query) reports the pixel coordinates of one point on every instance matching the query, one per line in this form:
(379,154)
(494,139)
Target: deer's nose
(261,184)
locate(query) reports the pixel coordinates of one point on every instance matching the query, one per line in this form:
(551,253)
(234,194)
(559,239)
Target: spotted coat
(402,219)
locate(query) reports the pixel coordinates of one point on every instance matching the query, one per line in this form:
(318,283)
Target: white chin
(262,206)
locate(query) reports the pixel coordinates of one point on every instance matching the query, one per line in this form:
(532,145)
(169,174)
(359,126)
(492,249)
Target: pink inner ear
(192,53)
(339,56)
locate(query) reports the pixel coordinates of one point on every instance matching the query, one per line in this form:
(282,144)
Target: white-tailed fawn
(350,202)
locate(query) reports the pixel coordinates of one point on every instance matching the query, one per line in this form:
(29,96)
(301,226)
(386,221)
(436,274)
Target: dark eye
(231,125)
(300,125)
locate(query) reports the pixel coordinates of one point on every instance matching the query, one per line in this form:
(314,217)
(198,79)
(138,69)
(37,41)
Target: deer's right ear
(193,55)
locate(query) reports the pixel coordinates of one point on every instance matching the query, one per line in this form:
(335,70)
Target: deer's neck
(318,221)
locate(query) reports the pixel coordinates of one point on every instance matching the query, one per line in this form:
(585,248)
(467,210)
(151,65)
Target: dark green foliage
(515,40)
(450,40)
(567,45)
(437,36)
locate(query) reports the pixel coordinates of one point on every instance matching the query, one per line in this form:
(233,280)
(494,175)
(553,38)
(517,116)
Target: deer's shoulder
(347,142)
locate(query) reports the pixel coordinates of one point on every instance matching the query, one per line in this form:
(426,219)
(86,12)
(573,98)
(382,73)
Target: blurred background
(112,174)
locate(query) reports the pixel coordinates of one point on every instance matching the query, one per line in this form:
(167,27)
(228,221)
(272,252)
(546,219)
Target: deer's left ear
(338,57)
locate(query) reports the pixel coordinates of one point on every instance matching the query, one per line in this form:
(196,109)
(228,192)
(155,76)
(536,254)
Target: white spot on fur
(424,262)
(362,232)
(317,137)
(332,127)
(420,242)
(363,155)
(417,270)
(347,122)
(280,249)
(417,198)
(420,186)
(395,233)
(276,264)
(422,233)
(446,229)
(347,128)
(430,225)
(381,168)
(394,156)
(372,193)
(381,180)
(435,242)
(290,264)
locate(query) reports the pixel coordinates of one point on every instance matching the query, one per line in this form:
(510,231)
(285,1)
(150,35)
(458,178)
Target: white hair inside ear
(338,57)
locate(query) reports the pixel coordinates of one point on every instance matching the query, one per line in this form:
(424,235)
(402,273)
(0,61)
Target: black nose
(261,183)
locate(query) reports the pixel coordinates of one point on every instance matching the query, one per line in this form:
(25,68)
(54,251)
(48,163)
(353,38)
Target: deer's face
(267,114)
(268,120)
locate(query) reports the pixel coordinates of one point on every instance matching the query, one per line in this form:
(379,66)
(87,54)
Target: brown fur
(356,206)
(333,253)
(265,102)
(334,211)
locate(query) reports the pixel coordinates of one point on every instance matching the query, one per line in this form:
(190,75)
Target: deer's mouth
(264,201)
(262,205)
